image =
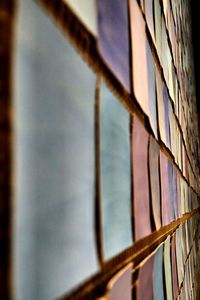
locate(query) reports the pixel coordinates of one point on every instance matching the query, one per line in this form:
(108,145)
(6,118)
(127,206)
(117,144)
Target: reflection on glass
(168,270)
(152,90)
(54,248)
(113,38)
(116,174)
(158,275)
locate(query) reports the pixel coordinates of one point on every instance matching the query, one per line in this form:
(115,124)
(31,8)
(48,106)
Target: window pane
(116,174)
(54,160)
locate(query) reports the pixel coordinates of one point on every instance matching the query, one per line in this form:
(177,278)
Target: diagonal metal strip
(96,285)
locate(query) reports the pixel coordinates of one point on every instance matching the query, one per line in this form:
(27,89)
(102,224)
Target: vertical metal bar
(7,8)
(98,210)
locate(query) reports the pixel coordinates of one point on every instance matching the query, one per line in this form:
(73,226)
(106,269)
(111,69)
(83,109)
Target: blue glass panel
(158,275)
(116,174)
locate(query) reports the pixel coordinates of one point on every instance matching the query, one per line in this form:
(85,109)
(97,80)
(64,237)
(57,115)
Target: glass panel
(155,181)
(113,34)
(164,183)
(120,286)
(174,267)
(86,11)
(54,162)
(139,56)
(145,281)
(149,6)
(152,90)
(140,180)
(158,275)
(116,174)
(168,271)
